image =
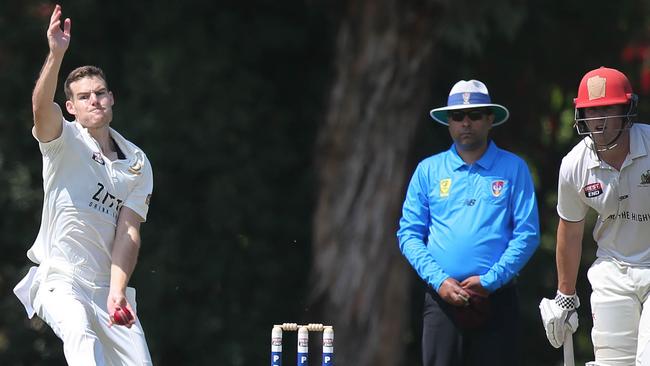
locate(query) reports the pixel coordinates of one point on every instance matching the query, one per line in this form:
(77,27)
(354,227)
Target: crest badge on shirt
(593,190)
(445,185)
(98,158)
(497,187)
(645,178)
(136,168)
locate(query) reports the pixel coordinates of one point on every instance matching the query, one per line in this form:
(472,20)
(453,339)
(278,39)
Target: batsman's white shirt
(621,198)
(84,192)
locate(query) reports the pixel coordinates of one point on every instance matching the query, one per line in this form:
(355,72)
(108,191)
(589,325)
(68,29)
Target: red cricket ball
(122,316)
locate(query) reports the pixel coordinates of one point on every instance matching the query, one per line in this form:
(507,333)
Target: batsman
(97,187)
(609,172)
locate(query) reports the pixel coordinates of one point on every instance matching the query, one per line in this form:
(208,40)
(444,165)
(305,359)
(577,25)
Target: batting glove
(558,316)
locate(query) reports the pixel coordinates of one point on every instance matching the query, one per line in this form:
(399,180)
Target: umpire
(469,224)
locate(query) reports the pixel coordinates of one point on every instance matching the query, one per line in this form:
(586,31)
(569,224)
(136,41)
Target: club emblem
(645,177)
(593,190)
(497,187)
(596,85)
(466,98)
(445,185)
(136,167)
(98,158)
(137,163)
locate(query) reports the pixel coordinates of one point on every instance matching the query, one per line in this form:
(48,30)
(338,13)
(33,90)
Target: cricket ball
(122,316)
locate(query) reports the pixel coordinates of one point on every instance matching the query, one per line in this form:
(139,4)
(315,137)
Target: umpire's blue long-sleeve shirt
(462,220)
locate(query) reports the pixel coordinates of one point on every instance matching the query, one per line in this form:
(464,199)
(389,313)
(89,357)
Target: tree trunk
(379,94)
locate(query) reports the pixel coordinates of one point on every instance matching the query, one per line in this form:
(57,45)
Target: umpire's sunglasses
(474,114)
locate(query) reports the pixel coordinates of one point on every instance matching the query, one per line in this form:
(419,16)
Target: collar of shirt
(486,161)
(637,148)
(134,156)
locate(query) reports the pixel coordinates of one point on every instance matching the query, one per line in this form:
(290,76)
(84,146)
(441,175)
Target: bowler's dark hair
(80,73)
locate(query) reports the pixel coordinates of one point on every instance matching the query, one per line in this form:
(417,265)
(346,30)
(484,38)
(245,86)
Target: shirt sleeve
(53,148)
(525,233)
(414,228)
(569,205)
(138,199)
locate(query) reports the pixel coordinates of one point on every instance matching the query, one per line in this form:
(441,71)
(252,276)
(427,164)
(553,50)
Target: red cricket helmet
(604,86)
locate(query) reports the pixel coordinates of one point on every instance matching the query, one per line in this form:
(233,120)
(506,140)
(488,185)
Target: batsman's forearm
(45,89)
(568,254)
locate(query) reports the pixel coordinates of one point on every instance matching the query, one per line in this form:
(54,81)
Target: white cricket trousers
(76,312)
(621,313)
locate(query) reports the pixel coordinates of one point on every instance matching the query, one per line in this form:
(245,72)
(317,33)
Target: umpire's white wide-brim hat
(470,94)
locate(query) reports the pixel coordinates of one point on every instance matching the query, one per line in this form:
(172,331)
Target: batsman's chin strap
(608,146)
(581,127)
(612,144)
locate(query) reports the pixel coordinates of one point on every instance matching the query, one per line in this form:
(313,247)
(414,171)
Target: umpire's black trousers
(446,343)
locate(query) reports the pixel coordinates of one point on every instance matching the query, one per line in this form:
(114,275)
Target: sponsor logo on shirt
(105,202)
(497,187)
(630,216)
(593,190)
(98,158)
(445,185)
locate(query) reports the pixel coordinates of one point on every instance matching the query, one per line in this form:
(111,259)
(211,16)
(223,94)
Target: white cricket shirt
(84,192)
(621,199)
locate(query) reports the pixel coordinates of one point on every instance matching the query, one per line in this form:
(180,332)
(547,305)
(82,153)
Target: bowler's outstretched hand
(58,38)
